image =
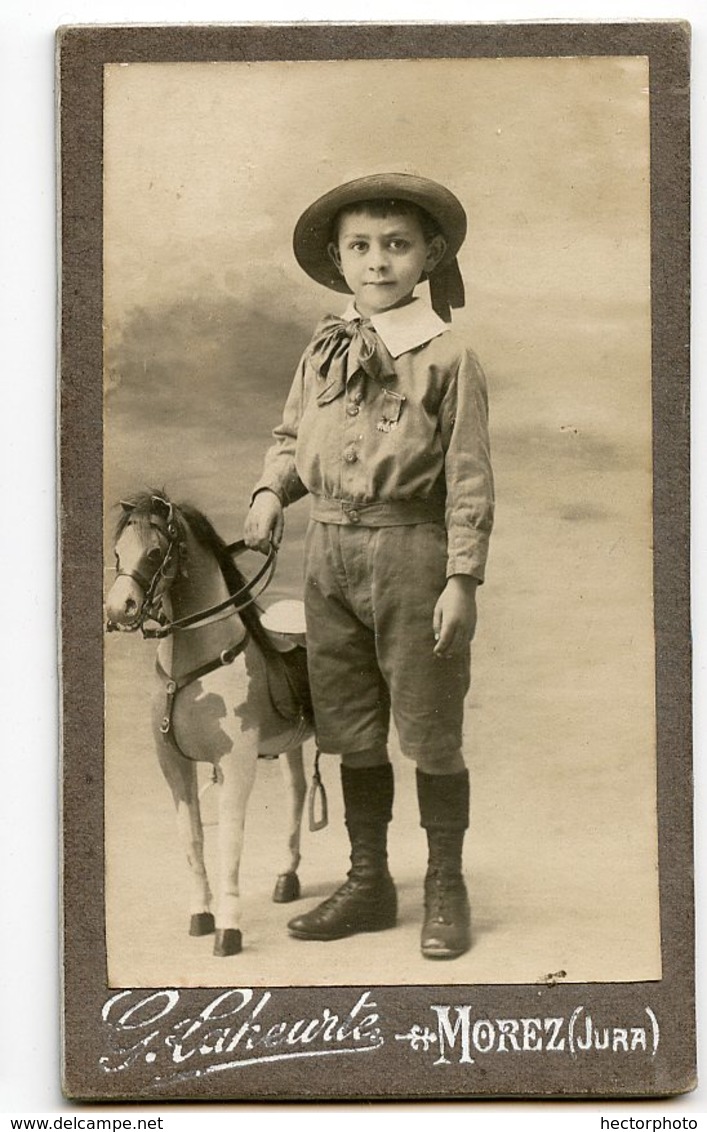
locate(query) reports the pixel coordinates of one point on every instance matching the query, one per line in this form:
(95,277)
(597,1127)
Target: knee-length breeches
(370,594)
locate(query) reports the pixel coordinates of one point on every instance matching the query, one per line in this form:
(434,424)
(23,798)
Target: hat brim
(313,229)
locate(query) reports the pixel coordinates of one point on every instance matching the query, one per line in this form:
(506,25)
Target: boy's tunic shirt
(389,428)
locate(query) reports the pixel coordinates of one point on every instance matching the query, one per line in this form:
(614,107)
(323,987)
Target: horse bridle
(151,608)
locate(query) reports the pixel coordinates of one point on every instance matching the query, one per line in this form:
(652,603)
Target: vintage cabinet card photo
(373,341)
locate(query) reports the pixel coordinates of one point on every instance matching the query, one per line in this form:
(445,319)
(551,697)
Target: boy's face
(383,258)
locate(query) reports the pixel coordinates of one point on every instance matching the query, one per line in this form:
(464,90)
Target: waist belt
(392,513)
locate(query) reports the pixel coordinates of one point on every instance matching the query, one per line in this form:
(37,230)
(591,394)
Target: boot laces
(357,884)
(443,895)
(343,893)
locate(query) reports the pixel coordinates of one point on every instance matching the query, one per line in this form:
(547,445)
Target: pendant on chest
(390,415)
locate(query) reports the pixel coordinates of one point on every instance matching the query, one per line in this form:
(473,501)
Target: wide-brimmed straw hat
(313,231)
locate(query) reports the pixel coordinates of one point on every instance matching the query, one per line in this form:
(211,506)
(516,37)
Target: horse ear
(165,508)
(161,504)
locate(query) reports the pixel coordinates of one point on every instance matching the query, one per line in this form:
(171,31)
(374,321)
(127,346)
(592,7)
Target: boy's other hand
(454,620)
(265,522)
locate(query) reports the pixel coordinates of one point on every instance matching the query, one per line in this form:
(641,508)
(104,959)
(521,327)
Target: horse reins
(233,601)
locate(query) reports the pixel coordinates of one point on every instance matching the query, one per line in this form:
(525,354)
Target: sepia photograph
(539,170)
(382,496)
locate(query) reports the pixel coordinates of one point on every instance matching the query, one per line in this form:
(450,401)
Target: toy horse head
(149,554)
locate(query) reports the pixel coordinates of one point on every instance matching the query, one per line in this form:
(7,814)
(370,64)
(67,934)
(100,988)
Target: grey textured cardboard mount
(590,386)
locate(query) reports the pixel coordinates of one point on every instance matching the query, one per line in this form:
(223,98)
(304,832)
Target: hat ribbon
(446,290)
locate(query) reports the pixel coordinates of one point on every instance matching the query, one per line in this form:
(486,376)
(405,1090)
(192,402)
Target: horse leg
(237,778)
(287,886)
(181,777)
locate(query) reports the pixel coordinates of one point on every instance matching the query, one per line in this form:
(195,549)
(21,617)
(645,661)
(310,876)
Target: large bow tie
(340,348)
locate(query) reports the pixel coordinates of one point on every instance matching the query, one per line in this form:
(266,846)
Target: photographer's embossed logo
(159,1033)
(238,1027)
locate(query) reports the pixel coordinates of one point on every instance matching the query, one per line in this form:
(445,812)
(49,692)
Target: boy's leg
(444,815)
(351,705)
(366,901)
(350,697)
(427,695)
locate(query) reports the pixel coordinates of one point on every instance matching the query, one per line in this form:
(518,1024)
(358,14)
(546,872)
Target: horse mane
(141,506)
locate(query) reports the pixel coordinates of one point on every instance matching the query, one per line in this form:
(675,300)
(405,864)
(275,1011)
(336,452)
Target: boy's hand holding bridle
(265,522)
(454,619)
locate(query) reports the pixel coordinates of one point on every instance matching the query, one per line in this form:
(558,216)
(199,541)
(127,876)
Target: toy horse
(227,690)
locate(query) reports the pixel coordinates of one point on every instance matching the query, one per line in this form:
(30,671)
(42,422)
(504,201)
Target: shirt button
(353,516)
(357,398)
(351,457)
(353,410)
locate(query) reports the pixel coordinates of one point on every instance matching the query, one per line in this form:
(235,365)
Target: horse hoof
(201,923)
(287,888)
(228,941)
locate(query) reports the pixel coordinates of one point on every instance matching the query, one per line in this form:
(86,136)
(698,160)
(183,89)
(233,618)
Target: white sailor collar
(403,328)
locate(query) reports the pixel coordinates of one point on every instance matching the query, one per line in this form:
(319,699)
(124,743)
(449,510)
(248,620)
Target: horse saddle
(288,684)
(285,654)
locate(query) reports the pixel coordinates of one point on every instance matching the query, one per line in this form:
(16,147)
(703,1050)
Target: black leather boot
(444,814)
(366,901)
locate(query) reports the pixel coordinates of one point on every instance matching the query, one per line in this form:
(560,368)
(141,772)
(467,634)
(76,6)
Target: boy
(386,428)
